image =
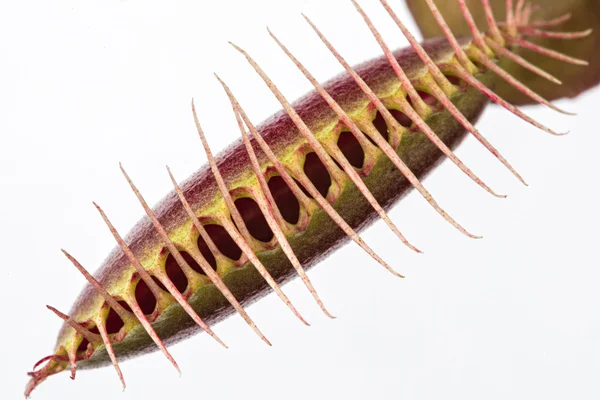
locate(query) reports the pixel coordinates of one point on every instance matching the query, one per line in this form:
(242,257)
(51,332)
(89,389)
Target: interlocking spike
(72,356)
(523,18)
(119,309)
(268,206)
(417,101)
(312,190)
(341,113)
(75,325)
(111,352)
(484,59)
(457,114)
(526,14)
(470,79)
(406,109)
(178,257)
(501,50)
(527,31)
(156,291)
(520,11)
(511,80)
(545,51)
(522,62)
(511,21)
(320,150)
(114,304)
(438,93)
(477,36)
(144,275)
(458,50)
(231,229)
(384,145)
(439,77)
(89,336)
(212,275)
(48,358)
(495,33)
(551,23)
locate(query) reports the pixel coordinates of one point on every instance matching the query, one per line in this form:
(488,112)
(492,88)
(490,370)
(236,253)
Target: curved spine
(151,285)
(212,275)
(268,207)
(333,214)
(320,151)
(167,241)
(406,109)
(438,93)
(231,229)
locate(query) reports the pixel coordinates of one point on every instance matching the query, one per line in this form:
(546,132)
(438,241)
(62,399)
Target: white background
(514,315)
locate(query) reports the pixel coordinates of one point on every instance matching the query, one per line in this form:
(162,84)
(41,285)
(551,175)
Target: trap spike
(48,358)
(151,285)
(466,76)
(312,190)
(384,145)
(156,291)
(522,62)
(212,275)
(90,337)
(114,304)
(447,103)
(152,333)
(201,230)
(111,352)
(406,109)
(530,9)
(392,122)
(495,33)
(441,96)
(527,31)
(420,105)
(232,230)
(477,36)
(75,325)
(177,255)
(55,364)
(511,80)
(439,77)
(458,50)
(237,218)
(320,151)
(36,379)
(545,51)
(511,22)
(519,10)
(347,121)
(551,23)
(72,356)
(207,239)
(248,252)
(267,204)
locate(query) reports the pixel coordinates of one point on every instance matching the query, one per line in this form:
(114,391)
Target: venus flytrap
(306,181)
